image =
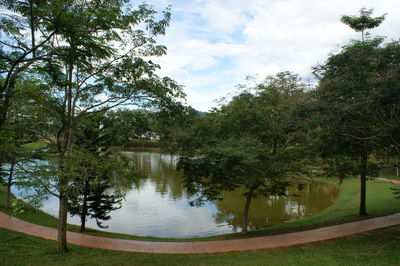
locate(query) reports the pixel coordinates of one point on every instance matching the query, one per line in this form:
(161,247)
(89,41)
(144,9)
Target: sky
(214,44)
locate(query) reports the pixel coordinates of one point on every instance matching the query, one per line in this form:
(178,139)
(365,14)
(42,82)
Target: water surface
(158,205)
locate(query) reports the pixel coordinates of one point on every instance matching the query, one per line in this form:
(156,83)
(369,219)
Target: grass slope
(389,172)
(380,202)
(380,247)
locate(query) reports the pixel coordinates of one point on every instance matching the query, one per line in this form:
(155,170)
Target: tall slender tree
(97,62)
(93,172)
(347,90)
(363,22)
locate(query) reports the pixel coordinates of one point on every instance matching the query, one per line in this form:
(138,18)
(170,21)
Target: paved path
(275,241)
(388,180)
(290,239)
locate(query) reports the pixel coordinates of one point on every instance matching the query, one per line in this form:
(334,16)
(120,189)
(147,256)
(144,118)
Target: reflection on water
(157,205)
(274,209)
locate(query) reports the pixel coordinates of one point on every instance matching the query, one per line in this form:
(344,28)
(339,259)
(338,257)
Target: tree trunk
(62,224)
(246,211)
(274,148)
(9,184)
(66,149)
(6,94)
(363,181)
(397,166)
(84,213)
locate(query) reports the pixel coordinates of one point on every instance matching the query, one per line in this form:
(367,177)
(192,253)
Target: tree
(93,171)
(14,137)
(171,125)
(347,91)
(347,94)
(10,154)
(20,49)
(251,142)
(363,22)
(388,101)
(123,126)
(27,28)
(94,195)
(97,63)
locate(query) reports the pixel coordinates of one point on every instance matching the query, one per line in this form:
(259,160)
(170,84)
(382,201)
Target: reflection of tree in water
(274,209)
(160,170)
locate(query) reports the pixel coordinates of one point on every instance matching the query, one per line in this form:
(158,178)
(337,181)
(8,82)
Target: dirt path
(275,241)
(283,240)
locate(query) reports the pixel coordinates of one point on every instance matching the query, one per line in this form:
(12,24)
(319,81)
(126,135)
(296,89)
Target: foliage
(364,21)
(347,93)
(13,138)
(171,126)
(92,175)
(92,171)
(92,59)
(252,142)
(123,126)
(28,27)
(388,98)
(19,207)
(231,164)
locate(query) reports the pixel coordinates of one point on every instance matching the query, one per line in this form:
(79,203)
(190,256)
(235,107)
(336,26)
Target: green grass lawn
(380,247)
(389,172)
(380,202)
(39,144)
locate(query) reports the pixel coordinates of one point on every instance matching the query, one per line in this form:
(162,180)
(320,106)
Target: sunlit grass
(389,172)
(380,247)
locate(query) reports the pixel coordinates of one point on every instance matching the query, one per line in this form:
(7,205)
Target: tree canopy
(364,21)
(251,142)
(87,57)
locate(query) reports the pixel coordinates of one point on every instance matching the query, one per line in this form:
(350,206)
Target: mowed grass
(380,247)
(380,202)
(36,145)
(389,172)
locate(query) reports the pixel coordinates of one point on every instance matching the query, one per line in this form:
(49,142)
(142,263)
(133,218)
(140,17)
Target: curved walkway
(388,180)
(283,240)
(330,232)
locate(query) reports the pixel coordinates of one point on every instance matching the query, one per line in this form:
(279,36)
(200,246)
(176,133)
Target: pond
(158,205)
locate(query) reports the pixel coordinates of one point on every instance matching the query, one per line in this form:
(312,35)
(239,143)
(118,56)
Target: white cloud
(222,16)
(213,44)
(202,100)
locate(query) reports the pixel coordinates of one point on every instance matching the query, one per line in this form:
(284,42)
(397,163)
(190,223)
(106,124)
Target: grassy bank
(380,201)
(389,172)
(379,247)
